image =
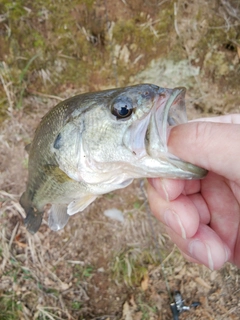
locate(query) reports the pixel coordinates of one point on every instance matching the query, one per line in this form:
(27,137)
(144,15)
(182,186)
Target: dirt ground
(97,267)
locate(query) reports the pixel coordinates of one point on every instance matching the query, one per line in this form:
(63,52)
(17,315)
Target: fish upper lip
(175,96)
(158,128)
(148,135)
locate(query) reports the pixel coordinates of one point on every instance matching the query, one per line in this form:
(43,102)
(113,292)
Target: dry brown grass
(97,268)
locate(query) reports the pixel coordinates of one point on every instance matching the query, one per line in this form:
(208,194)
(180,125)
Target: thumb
(213,146)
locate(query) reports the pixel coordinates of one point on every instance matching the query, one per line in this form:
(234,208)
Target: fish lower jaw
(190,170)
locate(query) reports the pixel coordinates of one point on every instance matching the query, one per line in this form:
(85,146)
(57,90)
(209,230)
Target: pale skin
(202,217)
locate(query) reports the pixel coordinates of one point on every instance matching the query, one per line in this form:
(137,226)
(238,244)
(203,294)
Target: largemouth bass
(94,143)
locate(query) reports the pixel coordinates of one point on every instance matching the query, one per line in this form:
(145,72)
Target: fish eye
(122,108)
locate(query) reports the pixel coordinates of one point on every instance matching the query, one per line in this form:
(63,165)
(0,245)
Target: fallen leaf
(127,313)
(48,283)
(21,244)
(18,242)
(65,286)
(129,309)
(132,302)
(138,316)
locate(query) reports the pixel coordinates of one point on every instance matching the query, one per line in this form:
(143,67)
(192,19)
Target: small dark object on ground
(178,306)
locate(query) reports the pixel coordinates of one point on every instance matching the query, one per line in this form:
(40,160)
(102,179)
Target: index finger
(170,189)
(213,146)
(228,118)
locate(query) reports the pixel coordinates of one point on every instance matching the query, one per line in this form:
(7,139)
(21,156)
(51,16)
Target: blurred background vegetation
(50,46)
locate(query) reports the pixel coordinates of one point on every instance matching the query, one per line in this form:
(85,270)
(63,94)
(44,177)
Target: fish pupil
(124,111)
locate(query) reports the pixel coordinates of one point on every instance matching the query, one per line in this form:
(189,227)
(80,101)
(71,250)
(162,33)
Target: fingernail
(159,186)
(227,253)
(173,221)
(164,190)
(201,252)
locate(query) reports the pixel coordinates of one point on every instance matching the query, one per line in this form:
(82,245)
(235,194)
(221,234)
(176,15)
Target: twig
(230,10)
(7,84)
(13,236)
(175,19)
(45,95)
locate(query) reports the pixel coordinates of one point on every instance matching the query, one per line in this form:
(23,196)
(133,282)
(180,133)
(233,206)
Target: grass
(22,81)
(55,53)
(81,273)
(58,48)
(39,54)
(76,305)
(130,266)
(147,310)
(11,308)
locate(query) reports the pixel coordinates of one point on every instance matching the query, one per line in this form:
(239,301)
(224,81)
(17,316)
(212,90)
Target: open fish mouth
(149,136)
(169,110)
(174,113)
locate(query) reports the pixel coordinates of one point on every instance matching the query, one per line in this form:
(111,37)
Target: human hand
(202,217)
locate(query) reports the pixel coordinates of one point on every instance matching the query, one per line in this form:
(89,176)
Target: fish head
(122,134)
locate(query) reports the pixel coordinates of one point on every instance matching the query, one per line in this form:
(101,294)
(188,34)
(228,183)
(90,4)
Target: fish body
(94,143)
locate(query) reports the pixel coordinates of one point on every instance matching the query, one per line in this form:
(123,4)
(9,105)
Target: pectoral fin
(80,204)
(58,217)
(57,173)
